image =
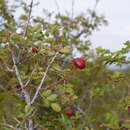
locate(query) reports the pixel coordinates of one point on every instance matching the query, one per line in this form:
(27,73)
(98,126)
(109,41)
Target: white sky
(117,12)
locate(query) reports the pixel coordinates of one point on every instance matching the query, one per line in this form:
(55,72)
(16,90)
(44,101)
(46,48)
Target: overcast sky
(117,12)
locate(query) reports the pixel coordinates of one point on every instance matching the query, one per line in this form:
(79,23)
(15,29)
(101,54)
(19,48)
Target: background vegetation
(39,80)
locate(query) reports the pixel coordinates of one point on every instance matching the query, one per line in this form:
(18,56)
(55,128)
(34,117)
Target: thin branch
(57,6)
(43,79)
(16,120)
(79,34)
(10,70)
(27,97)
(29,17)
(80,110)
(26,28)
(96,4)
(72,8)
(9,126)
(7,69)
(26,128)
(57,83)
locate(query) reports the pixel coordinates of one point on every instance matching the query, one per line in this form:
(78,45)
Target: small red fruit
(35,49)
(128,108)
(57,83)
(79,63)
(69,112)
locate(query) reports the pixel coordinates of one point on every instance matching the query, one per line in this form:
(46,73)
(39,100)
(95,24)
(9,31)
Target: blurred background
(116,13)
(103,84)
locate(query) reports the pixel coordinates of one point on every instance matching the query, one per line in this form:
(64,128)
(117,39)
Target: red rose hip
(69,112)
(128,108)
(79,63)
(35,49)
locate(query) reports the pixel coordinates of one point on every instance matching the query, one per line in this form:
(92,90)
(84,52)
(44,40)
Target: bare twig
(16,120)
(26,28)
(10,70)
(72,8)
(80,110)
(43,79)
(79,34)
(7,69)
(29,17)
(10,126)
(27,97)
(96,3)
(57,83)
(26,128)
(57,6)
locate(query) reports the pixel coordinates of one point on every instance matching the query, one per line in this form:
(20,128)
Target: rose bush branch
(27,24)
(7,69)
(28,21)
(26,94)
(43,78)
(27,97)
(9,126)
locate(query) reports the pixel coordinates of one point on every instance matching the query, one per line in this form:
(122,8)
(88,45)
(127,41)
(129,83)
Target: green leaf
(24,17)
(28,110)
(52,97)
(70,90)
(37,28)
(102,51)
(117,74)
(46,93)
(66,50)
(56,107)
(46,103)
(57,68)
